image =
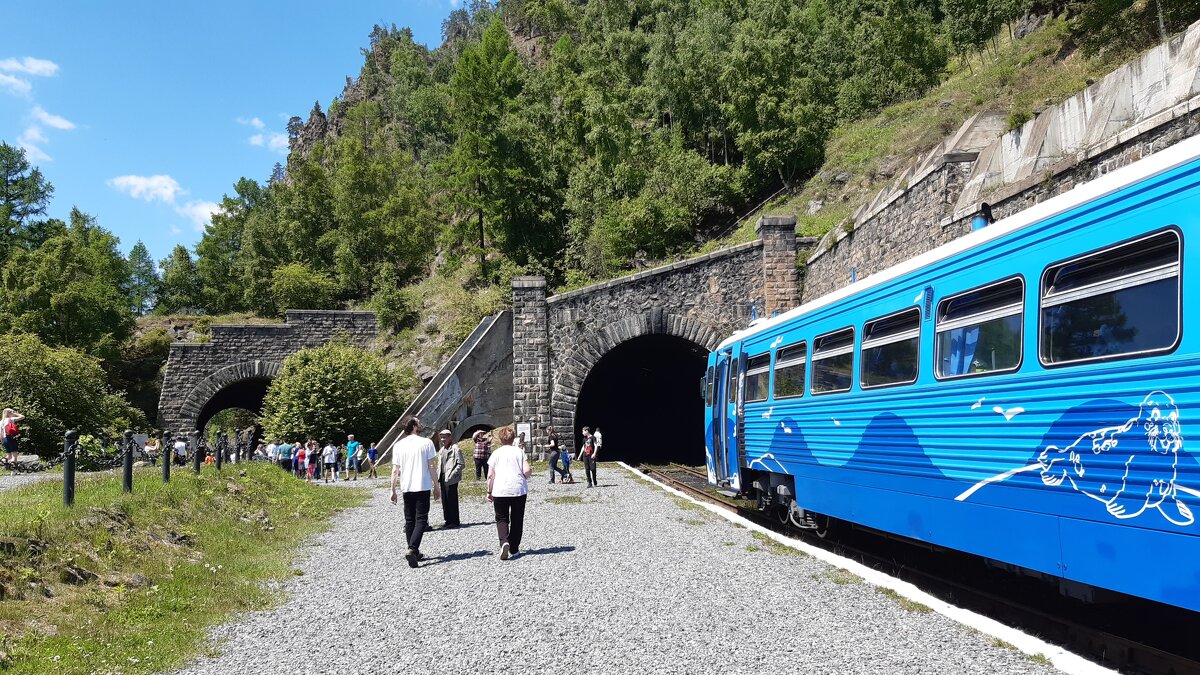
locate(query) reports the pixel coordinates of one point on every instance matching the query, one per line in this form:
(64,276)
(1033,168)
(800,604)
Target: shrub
(295,286)
(59,389)
(331,391)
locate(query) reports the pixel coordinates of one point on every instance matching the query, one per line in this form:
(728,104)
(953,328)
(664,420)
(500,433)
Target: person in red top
(8,425)
(482,443)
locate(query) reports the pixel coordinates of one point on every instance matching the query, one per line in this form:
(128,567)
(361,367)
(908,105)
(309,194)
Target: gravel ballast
(624,578)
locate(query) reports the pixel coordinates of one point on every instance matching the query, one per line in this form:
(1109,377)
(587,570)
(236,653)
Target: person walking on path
(481,453)
(597,442)
(508,488)
(414,472)
(353,455)
(329,455)
(9,432)
(553,455)
(450,471)
(372,457)
(285,456)
(588,453)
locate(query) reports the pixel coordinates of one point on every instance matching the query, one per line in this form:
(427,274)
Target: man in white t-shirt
(413,468)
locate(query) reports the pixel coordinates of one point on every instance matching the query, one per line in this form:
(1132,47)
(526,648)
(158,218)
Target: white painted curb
(1059,657)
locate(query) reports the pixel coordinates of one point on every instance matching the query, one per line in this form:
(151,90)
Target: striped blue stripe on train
(1036,383)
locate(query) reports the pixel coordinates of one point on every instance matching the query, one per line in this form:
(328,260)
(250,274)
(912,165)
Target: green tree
(143,279)
(295,286)
(180,289)
(25,193)
(332,391)
(59,389)
(72,291)
(218,251)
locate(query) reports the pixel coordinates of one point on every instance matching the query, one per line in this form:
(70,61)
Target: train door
(736,448)
(712,392)
(720,470)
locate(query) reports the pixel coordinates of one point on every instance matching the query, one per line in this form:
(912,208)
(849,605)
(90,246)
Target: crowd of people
(315,461)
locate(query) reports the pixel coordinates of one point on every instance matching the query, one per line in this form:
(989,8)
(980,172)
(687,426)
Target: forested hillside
(559,137)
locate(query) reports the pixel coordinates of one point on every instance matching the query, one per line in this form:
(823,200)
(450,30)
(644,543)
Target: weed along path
(132,583)
(625,578)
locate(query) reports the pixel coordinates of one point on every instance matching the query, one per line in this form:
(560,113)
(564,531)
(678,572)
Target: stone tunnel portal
(247,393)
(645,396)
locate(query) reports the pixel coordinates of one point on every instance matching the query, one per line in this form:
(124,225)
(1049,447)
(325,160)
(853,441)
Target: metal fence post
(127,460)
(168,455)
(70,445)
(197,452)
(222,443)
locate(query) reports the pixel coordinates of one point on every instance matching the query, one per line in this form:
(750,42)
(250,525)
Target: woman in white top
(329,454)
(7,424)
(508,487)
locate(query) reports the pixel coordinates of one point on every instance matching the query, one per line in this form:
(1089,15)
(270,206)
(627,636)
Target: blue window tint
(833,361)
(890,348)
(980,332)
(1121,301)
(789,370)
(758,375)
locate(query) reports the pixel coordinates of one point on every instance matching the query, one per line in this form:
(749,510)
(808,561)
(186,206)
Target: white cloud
(31,140)
(199,212)
(15,85)
(251,122)
(278,143)
(53,121)
(30,66)
(455,3)
(175,230)
(150,188)
(257,139)
(33,134)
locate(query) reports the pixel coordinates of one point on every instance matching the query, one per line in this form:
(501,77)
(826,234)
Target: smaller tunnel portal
(247,394)
(645,397)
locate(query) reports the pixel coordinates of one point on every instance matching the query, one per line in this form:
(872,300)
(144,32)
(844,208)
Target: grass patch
(905,603)
(687,505)
(692,521)
(130,583)
(565,499)
(839,576)
(776,547)
(1042,659)
(752,548)
(997,642)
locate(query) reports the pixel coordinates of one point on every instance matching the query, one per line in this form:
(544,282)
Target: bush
(332,391)
(59,389)
(295,286)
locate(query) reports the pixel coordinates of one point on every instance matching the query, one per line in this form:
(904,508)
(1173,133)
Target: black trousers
(589,468)
(554,468)
(416,517)
(480,467)
(450,504)
(510,519)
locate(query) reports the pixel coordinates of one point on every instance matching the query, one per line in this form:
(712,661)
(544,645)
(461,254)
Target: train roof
(1160,162)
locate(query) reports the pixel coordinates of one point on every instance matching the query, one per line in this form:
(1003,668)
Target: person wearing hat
(450,470)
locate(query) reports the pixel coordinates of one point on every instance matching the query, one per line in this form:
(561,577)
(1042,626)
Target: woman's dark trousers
(510,519)
(589,468)
(416,517)
(480,468)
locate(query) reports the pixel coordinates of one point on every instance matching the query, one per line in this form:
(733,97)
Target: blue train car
(1022,393)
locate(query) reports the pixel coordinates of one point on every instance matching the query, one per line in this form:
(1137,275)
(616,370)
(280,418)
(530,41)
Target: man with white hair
(450,470)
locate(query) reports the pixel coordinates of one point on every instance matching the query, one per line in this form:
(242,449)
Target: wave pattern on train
(1023,393)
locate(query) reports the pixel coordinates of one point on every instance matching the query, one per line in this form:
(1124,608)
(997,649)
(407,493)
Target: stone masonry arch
(240,360)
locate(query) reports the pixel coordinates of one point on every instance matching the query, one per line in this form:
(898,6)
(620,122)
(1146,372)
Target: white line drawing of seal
(1150,470)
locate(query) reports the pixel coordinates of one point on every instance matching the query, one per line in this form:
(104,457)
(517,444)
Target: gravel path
(619,579)
(13,480)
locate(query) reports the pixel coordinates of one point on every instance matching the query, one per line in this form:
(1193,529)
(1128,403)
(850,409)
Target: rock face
(235,368)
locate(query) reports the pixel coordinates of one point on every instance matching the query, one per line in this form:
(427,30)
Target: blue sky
(144,114)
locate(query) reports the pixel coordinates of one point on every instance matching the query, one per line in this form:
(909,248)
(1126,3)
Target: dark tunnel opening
(645,397)
(247,394)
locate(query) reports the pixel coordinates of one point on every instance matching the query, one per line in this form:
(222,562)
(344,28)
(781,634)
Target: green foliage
(25,194)
(139,371)
(332,391)
(143,279)
(295,286)
(179,290)
(57,388)
(71,291)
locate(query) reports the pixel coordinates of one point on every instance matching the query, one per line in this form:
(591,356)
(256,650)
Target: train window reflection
(758,376)
(708,388)
(833,361)
(1122,301)
(789,370)
(889,349)
(980,332)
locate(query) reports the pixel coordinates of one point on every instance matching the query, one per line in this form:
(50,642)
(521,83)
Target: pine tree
(143,279)
(180,289)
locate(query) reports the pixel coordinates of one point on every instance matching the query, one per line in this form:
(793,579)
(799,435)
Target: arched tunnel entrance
(247,394)
(645,397)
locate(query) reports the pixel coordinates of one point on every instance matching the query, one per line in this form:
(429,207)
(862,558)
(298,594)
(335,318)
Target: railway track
(1137,636)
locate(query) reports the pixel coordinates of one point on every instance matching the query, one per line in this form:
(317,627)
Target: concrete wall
(197,371)
(1142,107)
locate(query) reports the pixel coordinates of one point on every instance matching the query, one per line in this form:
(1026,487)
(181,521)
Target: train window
(733,368)
(890,346)
(833,361)
(789,370)
(758,375)
(708,388)
(1119,302)
(980,332)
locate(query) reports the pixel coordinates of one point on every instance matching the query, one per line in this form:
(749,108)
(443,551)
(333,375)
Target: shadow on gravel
(548,550)
(455,557)
(460,527)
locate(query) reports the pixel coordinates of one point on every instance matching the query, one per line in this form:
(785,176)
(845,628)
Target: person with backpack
(588,454)
(553,454)
(10,432)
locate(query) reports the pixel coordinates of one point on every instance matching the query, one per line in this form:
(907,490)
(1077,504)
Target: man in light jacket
(450,470)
